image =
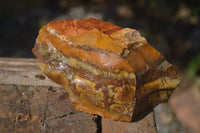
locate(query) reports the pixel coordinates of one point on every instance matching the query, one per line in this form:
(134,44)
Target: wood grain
(23,72)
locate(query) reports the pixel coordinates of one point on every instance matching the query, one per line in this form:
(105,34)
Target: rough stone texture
(41,109)
(29,104)
(186,106)
(146,125)
(105,66)
(166,121)
(167,115)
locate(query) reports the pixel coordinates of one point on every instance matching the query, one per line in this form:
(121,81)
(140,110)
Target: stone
(146,125)
(38,109)
(186,107)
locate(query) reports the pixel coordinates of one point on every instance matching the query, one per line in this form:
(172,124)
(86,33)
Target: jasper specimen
(107,70)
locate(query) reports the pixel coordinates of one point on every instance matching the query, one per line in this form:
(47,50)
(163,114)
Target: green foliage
(194,67)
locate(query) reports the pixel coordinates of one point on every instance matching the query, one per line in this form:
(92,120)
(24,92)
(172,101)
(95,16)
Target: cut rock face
(107,70)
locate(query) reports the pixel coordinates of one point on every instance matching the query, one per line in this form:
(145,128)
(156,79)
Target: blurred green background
(171,26)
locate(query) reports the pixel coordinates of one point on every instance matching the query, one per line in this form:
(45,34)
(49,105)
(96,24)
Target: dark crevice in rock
(43,126)
(142,115)
(62,116)
(98,121)
(52,89)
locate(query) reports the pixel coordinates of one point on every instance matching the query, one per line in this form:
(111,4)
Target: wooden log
(30,102)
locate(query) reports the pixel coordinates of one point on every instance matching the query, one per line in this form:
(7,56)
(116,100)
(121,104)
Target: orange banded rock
(107,70)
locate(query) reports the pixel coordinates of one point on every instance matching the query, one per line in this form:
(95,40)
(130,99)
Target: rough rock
(186,107)
(41,109)
(147,125)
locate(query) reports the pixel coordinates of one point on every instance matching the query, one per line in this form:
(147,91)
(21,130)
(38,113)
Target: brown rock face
(107,70)
(36,109)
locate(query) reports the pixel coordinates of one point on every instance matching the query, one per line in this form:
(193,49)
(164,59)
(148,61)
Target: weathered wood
(23,72)
(30,102)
